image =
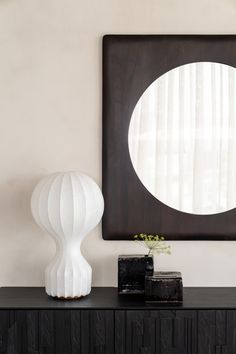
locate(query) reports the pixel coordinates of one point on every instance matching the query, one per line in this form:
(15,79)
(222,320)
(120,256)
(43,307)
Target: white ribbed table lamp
(68,206)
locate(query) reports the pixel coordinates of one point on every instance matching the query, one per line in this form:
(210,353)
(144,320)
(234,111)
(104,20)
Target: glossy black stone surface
(131,273)
(164,287)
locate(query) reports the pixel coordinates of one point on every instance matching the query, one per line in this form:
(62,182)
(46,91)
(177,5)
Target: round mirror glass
(182,138)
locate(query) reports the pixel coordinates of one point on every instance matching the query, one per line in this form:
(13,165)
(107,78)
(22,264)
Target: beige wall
(50,115)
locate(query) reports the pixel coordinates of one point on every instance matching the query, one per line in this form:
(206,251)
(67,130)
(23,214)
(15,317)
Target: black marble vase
(132,271)
(164,287)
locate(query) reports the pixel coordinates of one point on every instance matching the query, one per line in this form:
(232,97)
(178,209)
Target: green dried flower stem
(154,243)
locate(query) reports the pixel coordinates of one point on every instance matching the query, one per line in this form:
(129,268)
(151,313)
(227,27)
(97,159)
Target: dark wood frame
(130,64)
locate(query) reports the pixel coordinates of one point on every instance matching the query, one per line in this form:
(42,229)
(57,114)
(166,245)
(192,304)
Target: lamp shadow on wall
(25,250)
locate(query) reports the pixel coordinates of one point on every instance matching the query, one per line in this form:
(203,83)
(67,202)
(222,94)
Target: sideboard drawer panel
(56,332)
(177,332)
(145,331)
(217,331)
(141,332)
(59,331)
(156,332)
(19,332)
(39,332)
(97,332)
(4,325)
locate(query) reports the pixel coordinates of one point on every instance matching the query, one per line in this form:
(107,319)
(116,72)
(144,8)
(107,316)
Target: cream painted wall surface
(50,116)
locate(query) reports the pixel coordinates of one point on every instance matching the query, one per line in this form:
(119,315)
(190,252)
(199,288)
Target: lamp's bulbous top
(67,204)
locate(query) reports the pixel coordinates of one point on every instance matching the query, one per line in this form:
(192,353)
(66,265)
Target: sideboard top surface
(108,298)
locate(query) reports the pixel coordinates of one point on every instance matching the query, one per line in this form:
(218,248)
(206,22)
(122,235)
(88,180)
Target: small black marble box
(164,287)
(132,271)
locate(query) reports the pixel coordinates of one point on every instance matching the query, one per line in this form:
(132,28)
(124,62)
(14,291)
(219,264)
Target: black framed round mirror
(131,63)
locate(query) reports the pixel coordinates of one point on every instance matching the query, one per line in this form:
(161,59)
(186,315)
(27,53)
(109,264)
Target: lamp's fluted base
(68,276)
(67,298)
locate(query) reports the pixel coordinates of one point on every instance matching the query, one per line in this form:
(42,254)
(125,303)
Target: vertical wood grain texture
(75,332)
(217,332)
(157,332)
(32,332)
(46,332)
(11,333)
(97,332)
(178,332)
(3,331)
(230,333)
(40,332)
(118,332)
(62,332)
(141,331)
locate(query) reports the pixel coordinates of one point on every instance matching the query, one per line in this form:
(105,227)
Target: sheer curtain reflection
(182,138)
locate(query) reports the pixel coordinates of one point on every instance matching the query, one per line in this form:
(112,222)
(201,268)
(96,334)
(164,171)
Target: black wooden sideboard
(105,323)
